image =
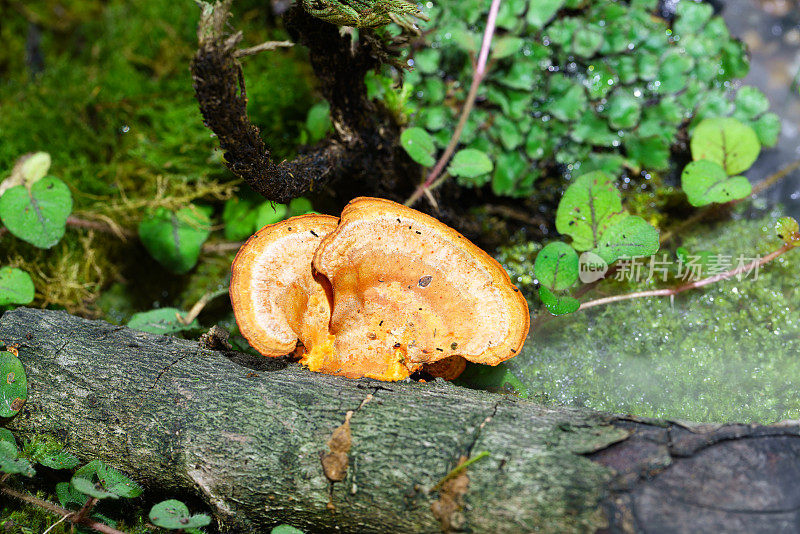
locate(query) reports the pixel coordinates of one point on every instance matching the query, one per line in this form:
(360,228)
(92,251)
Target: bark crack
(164,370)
(477,434)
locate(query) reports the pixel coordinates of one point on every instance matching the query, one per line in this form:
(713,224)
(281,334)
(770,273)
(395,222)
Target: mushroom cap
(409,290)
(277,298)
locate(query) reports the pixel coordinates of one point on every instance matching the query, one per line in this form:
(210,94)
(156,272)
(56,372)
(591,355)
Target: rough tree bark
(187,421)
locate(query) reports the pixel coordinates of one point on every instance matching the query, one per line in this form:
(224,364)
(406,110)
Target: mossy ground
(728,352)
(105,88)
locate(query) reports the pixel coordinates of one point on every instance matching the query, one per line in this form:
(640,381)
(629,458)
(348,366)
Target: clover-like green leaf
(37,215)
(46,450)
(589,206)
(509,133)
(16,286)
(174,238)
(750,102)
(556,266)
(691,17)
(100,481)
(540,12)
(506,46)
(511,166)
(69,497)
(161,321)
(788,230)
(587,41)
(6,435)
(558,304)
(92,489)
(725,141)
(13,385)
(173,515)
(630,237)
(11,463)
(672,74)
(705,182)
(624,109)
(767,128)
(570,105)
(651,152)
(470,163)
(419,145)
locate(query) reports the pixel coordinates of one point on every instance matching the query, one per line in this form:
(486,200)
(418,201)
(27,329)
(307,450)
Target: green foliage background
(108,94)
(577,85)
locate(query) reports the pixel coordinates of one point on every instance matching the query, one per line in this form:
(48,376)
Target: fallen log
(248,436)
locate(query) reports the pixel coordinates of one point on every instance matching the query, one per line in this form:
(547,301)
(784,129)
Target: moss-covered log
(247,436)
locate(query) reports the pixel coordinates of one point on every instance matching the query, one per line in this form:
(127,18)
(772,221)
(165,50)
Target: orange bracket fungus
(382,293)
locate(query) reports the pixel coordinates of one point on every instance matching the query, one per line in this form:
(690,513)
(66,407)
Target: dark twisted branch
(364,146)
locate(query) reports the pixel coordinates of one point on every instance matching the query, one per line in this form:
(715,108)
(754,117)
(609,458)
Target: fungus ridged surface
(392,291)
(277,298)
(409,290)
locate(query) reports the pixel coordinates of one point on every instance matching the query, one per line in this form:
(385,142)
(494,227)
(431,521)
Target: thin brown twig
(263,47)
(670,292)
(59,511)
(124,234)
(100,226)
(477,77)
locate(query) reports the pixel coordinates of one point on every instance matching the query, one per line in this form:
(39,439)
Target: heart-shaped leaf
(161,321)
(174,239)
(13,385)
(419,145)
(556,266)
(16,286)
(558,304)
(589,206)
(705,182)
(173,514)
(734,146)
(37,215)
(630,237)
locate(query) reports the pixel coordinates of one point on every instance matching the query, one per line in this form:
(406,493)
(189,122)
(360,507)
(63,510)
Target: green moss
(113,104)
(724,353)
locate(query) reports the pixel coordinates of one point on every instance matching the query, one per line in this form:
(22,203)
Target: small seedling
(174,515)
